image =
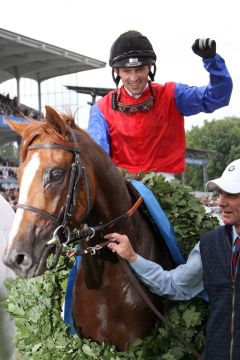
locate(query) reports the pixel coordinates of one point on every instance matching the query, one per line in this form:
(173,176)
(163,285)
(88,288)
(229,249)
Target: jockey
(141,124)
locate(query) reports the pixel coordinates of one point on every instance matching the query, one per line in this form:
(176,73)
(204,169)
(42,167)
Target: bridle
(78,172)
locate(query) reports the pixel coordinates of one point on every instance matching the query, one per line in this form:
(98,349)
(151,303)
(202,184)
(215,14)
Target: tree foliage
(220,136)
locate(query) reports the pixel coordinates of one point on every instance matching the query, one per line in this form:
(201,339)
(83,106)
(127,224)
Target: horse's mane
(42,128)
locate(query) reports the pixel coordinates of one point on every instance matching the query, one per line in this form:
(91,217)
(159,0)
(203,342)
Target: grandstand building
(32,74)
(36,73)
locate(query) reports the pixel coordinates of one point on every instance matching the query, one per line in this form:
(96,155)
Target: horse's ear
(18,127)
(54,120)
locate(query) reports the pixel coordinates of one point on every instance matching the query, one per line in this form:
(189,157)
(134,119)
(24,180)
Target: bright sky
(90,27)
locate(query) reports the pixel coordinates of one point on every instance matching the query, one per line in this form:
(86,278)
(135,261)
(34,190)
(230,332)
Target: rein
(145,297)
(90,231)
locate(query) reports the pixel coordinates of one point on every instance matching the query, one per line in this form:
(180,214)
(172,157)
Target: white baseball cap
(229,181)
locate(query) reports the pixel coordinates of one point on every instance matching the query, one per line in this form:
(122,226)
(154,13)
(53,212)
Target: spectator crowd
(8,182)
(10,106)
(8,169)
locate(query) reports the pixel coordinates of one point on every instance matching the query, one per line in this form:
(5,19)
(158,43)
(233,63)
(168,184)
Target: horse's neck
(112,198)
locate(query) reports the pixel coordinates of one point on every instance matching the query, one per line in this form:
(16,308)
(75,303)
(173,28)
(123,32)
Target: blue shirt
(182,283)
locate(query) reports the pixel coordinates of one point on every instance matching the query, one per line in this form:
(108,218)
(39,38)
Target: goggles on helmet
(138,107)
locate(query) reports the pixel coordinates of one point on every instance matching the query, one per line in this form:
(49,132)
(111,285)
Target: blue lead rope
(161,220)
(67,313)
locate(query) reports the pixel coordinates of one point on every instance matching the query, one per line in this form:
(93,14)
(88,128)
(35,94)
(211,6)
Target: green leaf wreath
(36,304)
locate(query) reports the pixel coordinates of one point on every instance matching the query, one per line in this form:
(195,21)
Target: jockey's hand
(122,246)
(206,48)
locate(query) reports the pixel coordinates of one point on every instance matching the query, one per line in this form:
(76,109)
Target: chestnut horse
(67,180)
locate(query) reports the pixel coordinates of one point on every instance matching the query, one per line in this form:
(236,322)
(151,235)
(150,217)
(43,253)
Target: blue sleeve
(182,283)
(98,128)
(191,100)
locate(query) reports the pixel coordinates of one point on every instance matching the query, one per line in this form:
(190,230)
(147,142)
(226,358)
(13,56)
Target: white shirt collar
(235,234)
(135,96)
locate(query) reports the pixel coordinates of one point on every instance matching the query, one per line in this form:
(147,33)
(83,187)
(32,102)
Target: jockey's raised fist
(206,48)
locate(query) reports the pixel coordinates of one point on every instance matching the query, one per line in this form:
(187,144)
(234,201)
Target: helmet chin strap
(152,74)
(116,79)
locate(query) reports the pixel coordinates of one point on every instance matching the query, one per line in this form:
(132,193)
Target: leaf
(87,350)
(36,347)
(191,317)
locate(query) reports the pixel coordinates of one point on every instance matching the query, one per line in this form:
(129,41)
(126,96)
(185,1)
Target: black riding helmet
(132,49)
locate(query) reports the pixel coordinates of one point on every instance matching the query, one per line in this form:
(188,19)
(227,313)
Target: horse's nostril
(23,261)
(19,259)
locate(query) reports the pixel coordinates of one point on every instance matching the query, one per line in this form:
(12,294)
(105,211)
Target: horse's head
(49,175)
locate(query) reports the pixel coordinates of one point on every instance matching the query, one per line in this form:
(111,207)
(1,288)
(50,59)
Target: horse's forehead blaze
(28,174)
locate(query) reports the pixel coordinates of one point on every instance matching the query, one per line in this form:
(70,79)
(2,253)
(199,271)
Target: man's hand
(206,48)
(121,245)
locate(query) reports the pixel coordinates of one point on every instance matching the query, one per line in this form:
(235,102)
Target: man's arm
(181,283)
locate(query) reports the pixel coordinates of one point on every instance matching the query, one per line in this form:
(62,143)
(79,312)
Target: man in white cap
(212,265)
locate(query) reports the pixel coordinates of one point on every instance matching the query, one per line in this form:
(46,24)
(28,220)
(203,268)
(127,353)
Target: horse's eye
(54,175)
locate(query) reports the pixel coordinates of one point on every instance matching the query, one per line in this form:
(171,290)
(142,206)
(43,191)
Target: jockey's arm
(191,100)
(98,128)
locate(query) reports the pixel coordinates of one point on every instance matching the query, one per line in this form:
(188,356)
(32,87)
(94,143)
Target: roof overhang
(21,56)
(93,91)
